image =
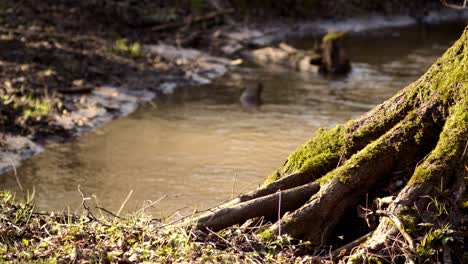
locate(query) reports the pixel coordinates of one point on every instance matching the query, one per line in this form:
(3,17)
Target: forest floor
(28,236)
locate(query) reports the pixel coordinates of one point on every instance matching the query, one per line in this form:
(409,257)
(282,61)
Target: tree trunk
(413,147)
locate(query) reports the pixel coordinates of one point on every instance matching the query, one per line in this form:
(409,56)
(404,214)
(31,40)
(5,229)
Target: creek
(197,146)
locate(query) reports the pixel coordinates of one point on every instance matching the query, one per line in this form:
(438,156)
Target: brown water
(199,146)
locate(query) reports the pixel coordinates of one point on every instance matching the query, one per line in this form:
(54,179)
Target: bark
(419,138)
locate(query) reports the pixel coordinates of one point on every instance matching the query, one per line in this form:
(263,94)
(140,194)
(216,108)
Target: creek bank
(86,112)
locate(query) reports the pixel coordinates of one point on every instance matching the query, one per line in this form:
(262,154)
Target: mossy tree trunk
(411,148)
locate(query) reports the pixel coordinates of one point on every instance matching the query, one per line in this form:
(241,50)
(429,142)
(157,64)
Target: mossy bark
(412,146)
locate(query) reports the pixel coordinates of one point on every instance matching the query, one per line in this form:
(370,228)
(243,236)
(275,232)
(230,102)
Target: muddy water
(198,146)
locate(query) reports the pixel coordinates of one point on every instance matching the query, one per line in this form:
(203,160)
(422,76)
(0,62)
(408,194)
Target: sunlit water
(198,146)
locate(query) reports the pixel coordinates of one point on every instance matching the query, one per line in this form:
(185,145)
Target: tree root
(264,206)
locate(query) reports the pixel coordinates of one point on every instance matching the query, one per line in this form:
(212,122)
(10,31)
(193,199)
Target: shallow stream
(198,146)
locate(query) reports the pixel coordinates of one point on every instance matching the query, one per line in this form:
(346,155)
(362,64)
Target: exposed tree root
(351,180)
(264,206)
(419,138)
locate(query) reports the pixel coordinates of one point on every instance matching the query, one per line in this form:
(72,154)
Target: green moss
(327,143)
(266,235)
(374,260)
(36,108)
(316,155)
(449,147)
(343,173)
(123,47)
(333,36)
(408,221)
(465,205)
(273,177)
(433,241)
(418,137)
(447,77)
(338,174)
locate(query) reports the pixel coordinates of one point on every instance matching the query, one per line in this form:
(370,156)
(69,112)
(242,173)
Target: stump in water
(412,148)
(334,55)
(251,95)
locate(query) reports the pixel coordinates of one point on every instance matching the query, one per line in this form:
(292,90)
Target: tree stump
(335,58)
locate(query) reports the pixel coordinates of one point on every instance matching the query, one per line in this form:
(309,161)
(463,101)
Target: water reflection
(198,146)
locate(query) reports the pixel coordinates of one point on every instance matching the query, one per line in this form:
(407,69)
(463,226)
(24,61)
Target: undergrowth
(30,236)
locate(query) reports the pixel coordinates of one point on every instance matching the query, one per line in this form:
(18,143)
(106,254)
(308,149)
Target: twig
(399,226)
(12,163)
(367,209)
(279,212)
(87,209)
(341,158)
(173,213)
(124,202)
(142,210)
(234,186)
(32,195)
(421,160)
(191,218)
(466,146)
(97,204)
(247,187)
(109,212)
(233,246)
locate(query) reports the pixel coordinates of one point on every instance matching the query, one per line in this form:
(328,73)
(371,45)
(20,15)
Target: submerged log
(331,57)
(301,60)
